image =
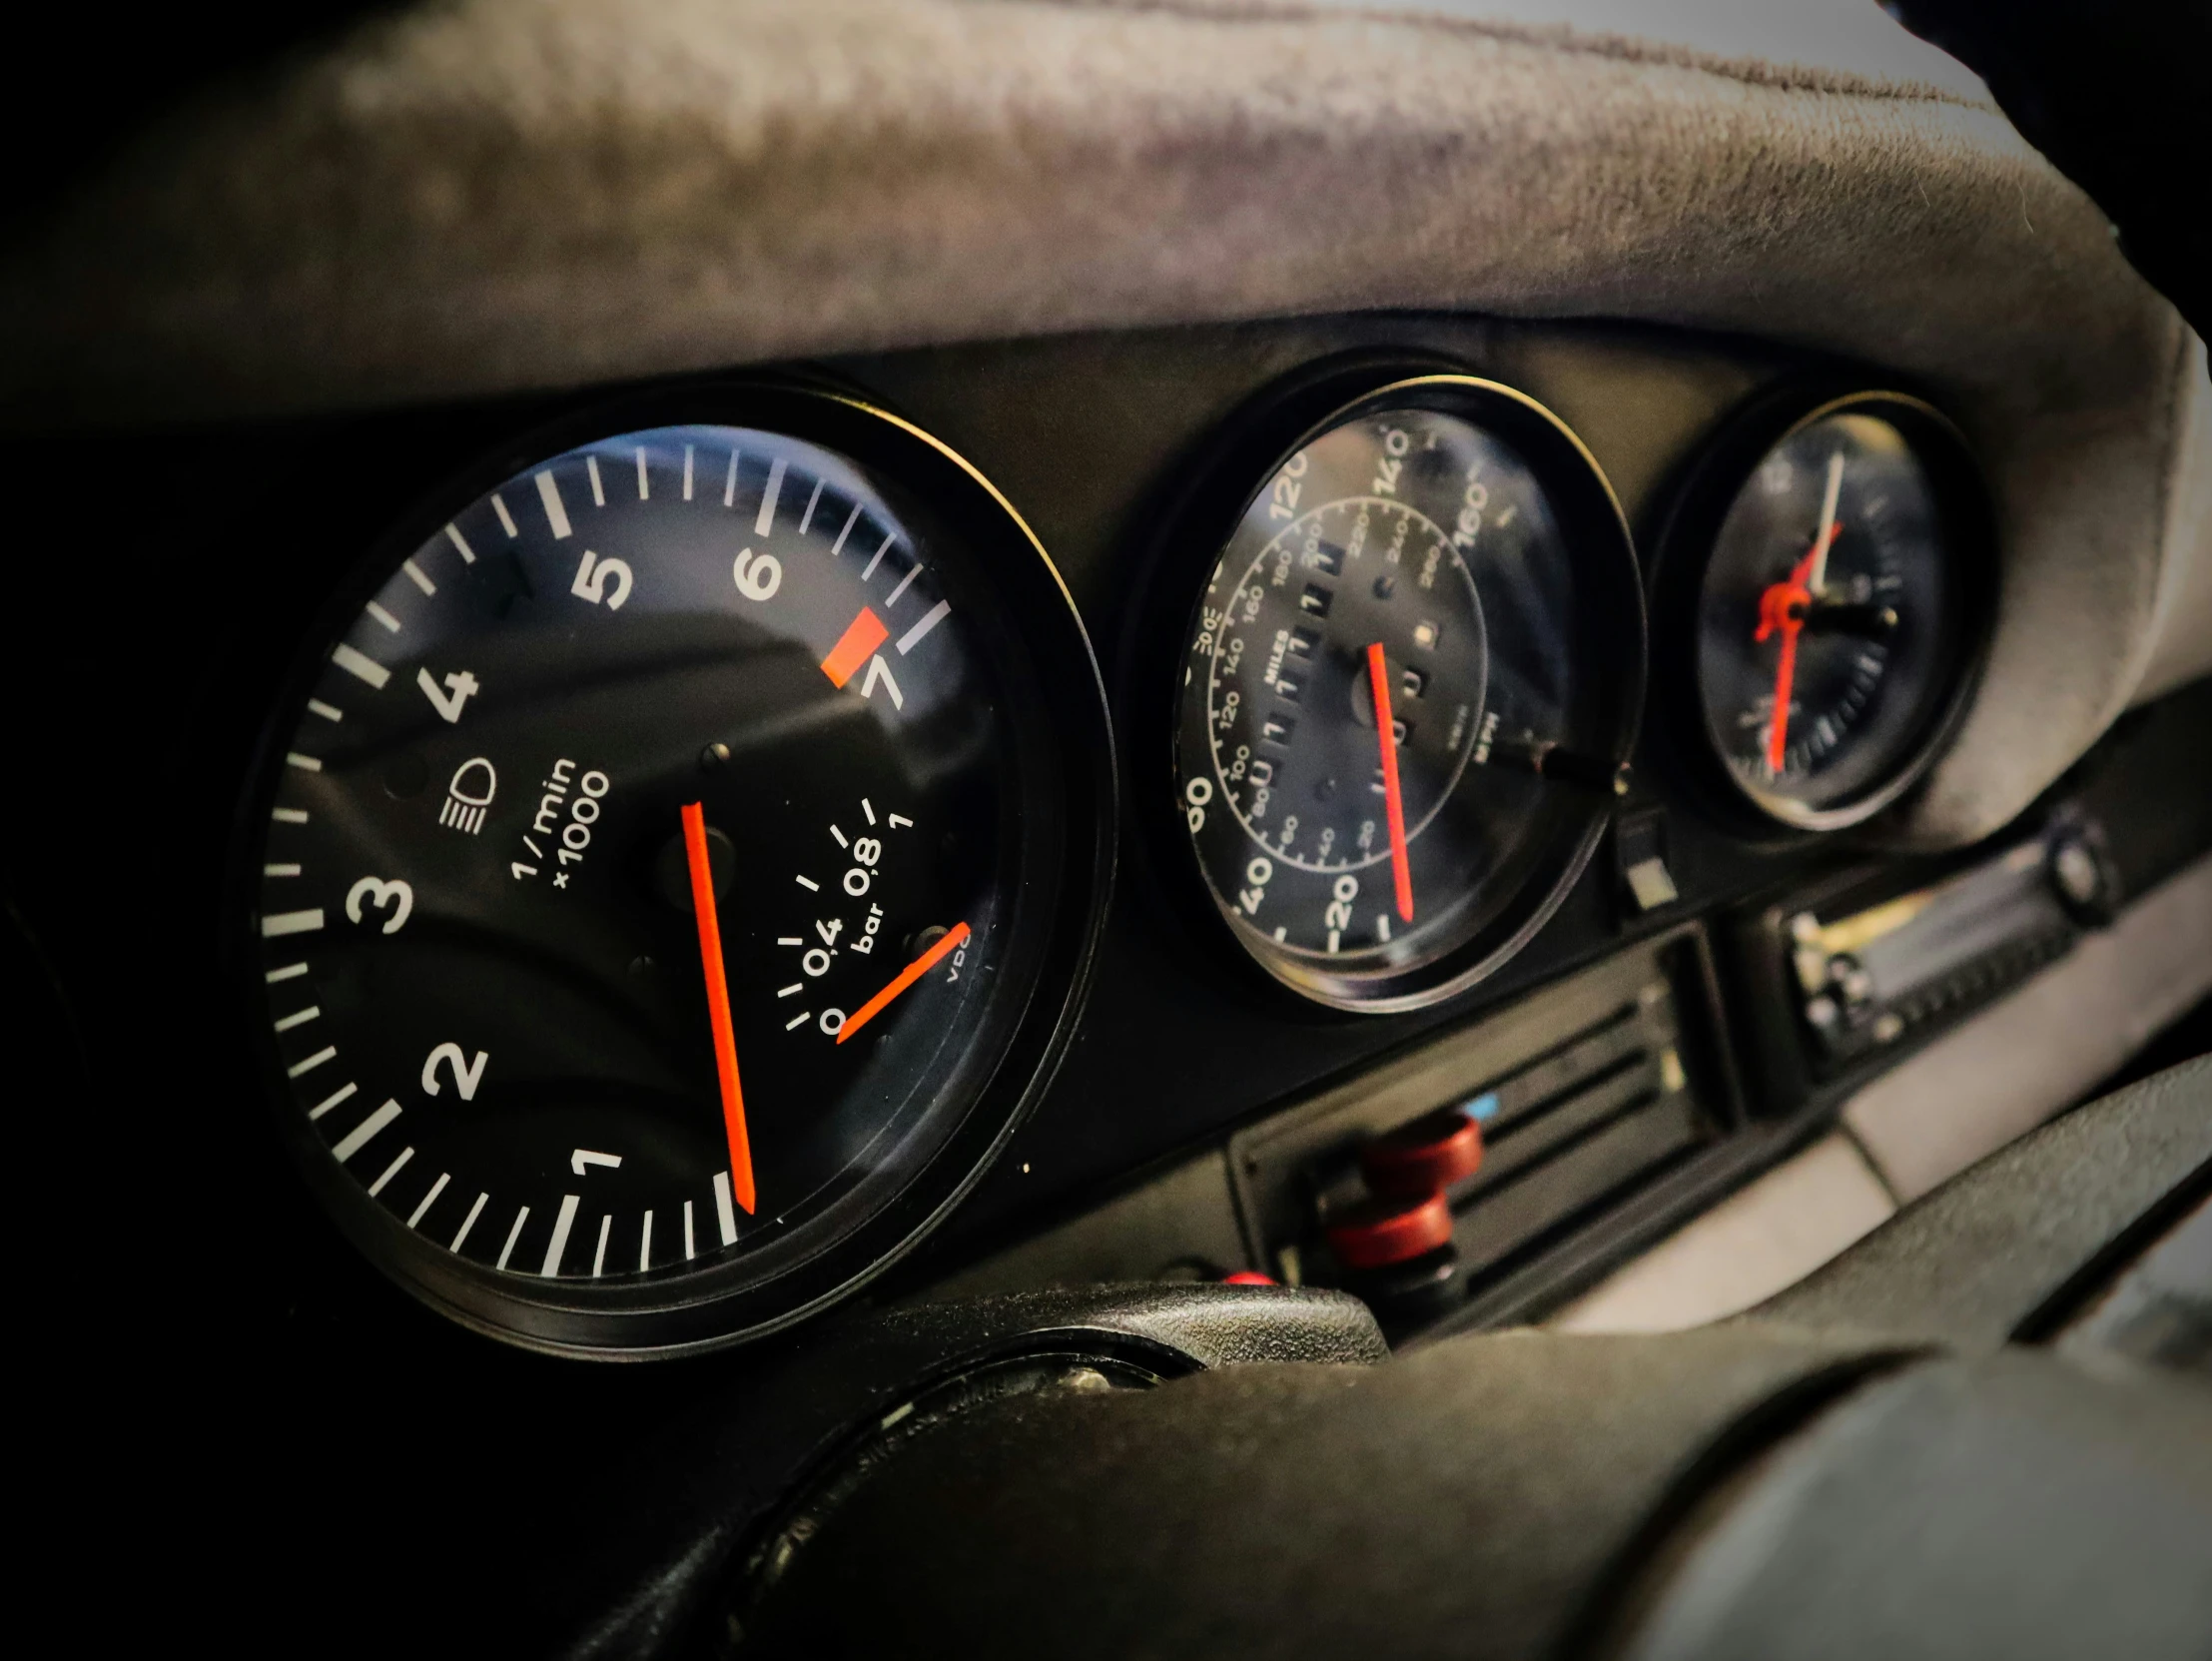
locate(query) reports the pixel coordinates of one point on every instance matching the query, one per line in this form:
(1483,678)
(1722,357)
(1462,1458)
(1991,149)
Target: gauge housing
(1062,735)
(1685,546)
(1609,645)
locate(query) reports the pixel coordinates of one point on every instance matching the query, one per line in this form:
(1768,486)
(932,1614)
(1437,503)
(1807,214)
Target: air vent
(1582,1093)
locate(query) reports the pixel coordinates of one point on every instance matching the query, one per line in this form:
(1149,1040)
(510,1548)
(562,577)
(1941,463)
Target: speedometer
(675,868)
(1408,691)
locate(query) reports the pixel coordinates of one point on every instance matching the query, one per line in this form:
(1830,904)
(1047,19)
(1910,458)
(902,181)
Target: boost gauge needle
(1378,680)
(953,939)
(718,1004)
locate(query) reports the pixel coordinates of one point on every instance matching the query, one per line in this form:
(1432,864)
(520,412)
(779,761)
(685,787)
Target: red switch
(1388,1231)
(1425,1157)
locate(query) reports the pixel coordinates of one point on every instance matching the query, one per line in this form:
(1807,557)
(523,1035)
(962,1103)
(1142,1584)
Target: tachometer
(676,871)
(1409,690)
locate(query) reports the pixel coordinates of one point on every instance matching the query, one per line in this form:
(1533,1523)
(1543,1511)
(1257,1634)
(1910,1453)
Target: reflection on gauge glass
(656,871)
(1838,613)
(1407,693)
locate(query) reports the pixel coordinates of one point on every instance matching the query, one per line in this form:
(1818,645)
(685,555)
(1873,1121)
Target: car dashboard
(727,716)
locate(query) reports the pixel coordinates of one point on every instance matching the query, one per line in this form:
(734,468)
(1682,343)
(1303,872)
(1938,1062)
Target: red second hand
(1786,675)
(1782,607)
(1378,680)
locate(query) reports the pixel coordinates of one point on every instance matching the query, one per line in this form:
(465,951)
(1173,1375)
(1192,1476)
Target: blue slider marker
(1482,1108)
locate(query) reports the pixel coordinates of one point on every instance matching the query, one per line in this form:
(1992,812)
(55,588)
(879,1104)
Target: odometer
(1408,691)
(673,875)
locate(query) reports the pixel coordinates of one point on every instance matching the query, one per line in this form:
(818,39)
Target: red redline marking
(1378,680)
(954,939)
(855,646)
(718,1004)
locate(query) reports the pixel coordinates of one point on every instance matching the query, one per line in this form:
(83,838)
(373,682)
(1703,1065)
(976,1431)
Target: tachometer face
(659,871)
(1835,618)
(1406,692)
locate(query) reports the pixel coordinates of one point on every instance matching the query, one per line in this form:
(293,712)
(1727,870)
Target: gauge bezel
(1685,549)
(1593,526)
(1068,812)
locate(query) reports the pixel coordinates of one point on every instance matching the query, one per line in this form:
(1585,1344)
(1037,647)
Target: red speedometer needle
(1782,609)
(1401,870)
(718,1004)
(954,938)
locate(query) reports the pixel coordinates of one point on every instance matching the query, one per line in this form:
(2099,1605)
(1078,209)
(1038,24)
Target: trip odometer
(1409,692)
(675,868)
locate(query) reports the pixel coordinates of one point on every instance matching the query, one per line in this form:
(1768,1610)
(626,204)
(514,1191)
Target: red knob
(1391,1231)
(1427,1155)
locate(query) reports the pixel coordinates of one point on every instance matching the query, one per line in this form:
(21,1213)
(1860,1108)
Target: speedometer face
(656,875)
(1400,700)
(1835,616)
(1311,802)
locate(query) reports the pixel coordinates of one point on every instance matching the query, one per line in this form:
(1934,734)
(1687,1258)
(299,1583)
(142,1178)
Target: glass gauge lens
(645,884)
(1831,628)
(1397,702)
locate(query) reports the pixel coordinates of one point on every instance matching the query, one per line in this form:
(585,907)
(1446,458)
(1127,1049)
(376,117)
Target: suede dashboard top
(489,196)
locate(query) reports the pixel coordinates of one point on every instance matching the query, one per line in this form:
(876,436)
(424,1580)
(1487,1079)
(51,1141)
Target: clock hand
(1829,528)
(1782,609)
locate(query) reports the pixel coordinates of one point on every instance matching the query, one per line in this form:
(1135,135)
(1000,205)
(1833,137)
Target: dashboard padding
(2034,1220)
(1904,1523)
(487,196)
(1481,1487)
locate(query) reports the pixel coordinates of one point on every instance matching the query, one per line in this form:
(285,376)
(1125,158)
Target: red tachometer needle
(953,939)
(1378,679)
(1782,609)
(718,1004)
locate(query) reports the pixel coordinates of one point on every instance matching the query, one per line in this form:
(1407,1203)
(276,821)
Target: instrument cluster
(675,861)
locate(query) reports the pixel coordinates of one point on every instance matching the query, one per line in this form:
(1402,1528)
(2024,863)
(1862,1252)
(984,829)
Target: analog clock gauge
(674,869)
(1408,691)
(1840,611)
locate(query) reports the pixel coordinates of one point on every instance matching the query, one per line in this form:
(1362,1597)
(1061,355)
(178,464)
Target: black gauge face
(1831,628)
(644,899)
(1396,638)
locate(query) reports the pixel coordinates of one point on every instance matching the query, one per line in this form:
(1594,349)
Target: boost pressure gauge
(1835,590)
(674,869)
(1408,689)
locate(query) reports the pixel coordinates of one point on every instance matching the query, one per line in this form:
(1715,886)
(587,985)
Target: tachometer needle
(718,1004)
(954,938)
(1401,869)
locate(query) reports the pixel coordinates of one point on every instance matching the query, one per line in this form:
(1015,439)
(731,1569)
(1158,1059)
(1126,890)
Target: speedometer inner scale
(657,874)
(1407,689)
